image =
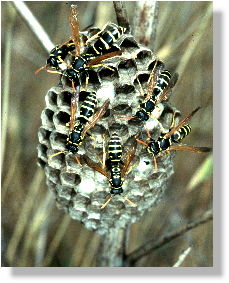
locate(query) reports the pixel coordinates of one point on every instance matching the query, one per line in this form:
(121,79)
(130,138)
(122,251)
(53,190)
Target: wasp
(80,126)
(59,53)
(90,57)
(116,168)
(94,54)
(158,86)
(168,141)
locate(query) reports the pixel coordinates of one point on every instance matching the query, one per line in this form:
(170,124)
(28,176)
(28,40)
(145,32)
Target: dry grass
(35,232)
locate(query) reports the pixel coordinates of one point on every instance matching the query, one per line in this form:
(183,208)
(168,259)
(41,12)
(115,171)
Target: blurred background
(34,231)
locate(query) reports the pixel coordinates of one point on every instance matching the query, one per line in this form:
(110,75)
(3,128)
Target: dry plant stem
(193,44)
(34,25)
(7,72)
(38,221)
(54,244)
(24,216)
(182,257)
(121,15)
(145,22)
(111,252)
(155,244)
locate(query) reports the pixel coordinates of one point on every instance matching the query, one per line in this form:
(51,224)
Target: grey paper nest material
(80,191)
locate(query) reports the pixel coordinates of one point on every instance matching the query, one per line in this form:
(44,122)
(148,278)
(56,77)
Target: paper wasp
(90,58)
(59,53)
(159,85)
(80,126)
(167,140)
(116,169)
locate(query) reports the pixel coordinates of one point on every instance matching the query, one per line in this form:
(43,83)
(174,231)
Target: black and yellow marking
(87,108)
(74,139)
(59,53)
(147,107)
(181,133)
(115,154)
(162,83)
(105,41)
(157,146)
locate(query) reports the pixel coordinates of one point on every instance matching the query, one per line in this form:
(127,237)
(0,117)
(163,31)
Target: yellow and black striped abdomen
(181,133)
(115,148)
(162,82)
(115,154)
(105,41)
(87,108)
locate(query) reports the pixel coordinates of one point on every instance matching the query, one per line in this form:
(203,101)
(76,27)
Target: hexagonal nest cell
(79,190)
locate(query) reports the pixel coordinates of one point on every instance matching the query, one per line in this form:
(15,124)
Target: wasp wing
(95,166)
(99,114)
(104,57)
(129,157)
(184,121)
(74,107)
(190,148)
(74,24)
(152,79)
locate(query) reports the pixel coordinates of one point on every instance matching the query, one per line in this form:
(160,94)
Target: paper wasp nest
(80,191)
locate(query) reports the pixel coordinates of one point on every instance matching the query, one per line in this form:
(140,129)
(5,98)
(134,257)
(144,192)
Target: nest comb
(80,191)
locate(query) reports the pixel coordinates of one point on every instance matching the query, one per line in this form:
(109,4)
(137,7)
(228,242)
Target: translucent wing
(104,57)
(129,157)
(95,166)
(152,80)
(74,106)
(74,24)
(184,121)
(189,148)
(99,114)
(173,80)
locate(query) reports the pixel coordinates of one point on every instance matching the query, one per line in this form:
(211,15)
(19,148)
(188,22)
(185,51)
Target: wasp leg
(148,133)
(105,66)
(155,164)
(131,168)
(131,202)
(106,203)
(87,81)
(77,160)
(55,154)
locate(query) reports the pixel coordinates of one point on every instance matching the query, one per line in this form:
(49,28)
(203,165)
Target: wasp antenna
(38,70)
(142,142)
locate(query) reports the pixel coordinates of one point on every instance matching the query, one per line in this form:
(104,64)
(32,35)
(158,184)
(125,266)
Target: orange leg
(126,118)
(38,70)
(73,87)
(148,133)
(142,142)
(77,160)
